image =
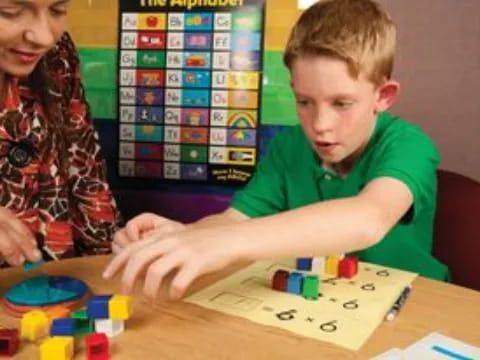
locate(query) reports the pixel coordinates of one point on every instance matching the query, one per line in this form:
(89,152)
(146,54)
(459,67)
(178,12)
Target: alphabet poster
(190,75)
(346,313)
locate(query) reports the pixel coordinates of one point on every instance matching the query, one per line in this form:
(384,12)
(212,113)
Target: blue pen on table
(395,309)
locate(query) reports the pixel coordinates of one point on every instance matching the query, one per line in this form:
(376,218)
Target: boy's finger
(146,220)
(182,281)
(119,260)
(140,224)
(132,231)
(166,229)
(144,224)
(116,249)
(156,272)
(142,259)
(120,238)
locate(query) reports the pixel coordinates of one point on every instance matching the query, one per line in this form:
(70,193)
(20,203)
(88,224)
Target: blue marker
(450,353)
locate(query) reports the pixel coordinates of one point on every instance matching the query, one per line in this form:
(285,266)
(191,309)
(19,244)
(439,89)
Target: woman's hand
(17,242)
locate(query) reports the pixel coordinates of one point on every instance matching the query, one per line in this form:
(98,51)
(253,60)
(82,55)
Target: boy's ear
(387,94)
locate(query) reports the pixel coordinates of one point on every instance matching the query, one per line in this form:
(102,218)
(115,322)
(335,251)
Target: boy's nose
(322,123)
(40,33)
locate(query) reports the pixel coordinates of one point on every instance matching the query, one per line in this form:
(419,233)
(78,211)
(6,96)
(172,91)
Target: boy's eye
(59,11)
(10,12)
(343,104)
(301,102)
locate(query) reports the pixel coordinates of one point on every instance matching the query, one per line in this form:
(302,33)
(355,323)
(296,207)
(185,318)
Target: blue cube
(294,283)
(97,307)
(62,327)
(304,264)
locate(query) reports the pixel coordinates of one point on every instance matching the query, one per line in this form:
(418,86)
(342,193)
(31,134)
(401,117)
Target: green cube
(311,288)
(83,325)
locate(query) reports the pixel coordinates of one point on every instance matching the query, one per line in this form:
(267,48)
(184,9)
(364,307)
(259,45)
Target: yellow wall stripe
(94,23)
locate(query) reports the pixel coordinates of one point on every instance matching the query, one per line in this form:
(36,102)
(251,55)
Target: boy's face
(337,112)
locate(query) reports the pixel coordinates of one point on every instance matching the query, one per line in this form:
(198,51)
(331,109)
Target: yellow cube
(331,265)
(57,348)
(120,307)
(34,325)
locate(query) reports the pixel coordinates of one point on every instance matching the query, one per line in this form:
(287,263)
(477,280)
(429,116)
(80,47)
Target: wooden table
(182,331)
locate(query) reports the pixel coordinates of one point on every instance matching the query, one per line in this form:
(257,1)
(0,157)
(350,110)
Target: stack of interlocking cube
(104,317)
(308,285)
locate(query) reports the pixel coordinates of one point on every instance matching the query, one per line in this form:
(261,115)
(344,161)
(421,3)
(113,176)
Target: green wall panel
(278,104)
(99,74)
(98,67)
(103,103)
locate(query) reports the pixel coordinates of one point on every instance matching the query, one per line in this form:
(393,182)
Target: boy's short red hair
(356,31)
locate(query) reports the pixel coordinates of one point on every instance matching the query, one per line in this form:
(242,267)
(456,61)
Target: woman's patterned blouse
(71,210)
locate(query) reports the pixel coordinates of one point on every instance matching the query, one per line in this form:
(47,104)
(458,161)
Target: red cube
(8,342)
(280,280)
(97,346)
(348,267)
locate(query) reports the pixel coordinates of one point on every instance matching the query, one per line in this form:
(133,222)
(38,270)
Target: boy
(352,178)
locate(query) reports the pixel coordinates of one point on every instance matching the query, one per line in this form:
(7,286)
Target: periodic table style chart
(190,75)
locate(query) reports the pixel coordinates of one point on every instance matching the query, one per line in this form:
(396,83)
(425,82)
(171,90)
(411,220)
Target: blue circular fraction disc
(46,290)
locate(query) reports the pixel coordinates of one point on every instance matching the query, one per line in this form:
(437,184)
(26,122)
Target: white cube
(109,327)
(318,265)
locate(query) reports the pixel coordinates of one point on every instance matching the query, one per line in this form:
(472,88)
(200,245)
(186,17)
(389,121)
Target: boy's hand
(191,253)
(141,225)
(17,242)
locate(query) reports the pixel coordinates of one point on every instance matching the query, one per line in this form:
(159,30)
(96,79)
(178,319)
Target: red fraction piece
(18,310)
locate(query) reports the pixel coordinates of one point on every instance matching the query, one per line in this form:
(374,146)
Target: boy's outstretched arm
(229,216)
(147,224)
(327,227)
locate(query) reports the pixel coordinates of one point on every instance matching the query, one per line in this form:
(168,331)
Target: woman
(54,199)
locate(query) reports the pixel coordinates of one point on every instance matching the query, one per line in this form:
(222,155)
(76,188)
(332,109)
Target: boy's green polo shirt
(291,176)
